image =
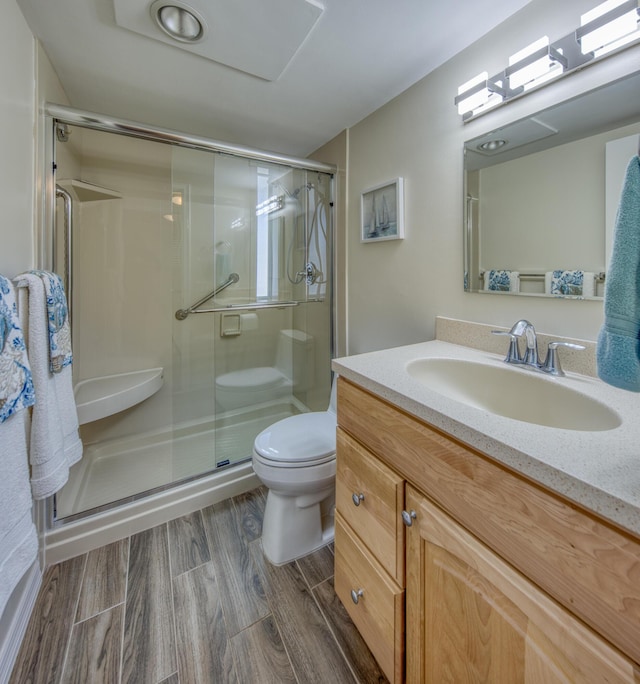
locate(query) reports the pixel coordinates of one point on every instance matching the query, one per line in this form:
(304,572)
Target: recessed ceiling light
(178,20)
(492,145)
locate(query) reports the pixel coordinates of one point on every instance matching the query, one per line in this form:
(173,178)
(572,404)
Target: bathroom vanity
(472,547)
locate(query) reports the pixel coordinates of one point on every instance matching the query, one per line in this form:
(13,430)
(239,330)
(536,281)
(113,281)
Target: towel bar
(598,277)
(247,307)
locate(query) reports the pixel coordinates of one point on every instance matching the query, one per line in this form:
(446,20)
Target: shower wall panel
(122,275)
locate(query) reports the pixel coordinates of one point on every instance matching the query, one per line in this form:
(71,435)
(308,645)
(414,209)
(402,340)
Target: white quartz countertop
(598,470)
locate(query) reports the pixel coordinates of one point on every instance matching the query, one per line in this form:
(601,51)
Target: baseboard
(15,619)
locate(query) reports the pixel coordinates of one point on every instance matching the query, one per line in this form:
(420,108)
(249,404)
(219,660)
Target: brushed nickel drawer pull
(355,595)
(357,498)
(408,518)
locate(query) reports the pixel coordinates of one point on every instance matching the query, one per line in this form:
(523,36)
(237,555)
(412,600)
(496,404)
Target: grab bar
(248,307)
(181,314)
(68,241)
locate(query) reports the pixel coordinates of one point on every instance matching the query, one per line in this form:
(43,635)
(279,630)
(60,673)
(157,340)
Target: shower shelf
(87,192)
(101,397)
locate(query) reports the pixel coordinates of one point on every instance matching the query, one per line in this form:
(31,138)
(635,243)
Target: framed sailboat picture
(381,212)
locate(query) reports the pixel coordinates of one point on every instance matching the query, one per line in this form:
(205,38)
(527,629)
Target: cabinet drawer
(379,613)
(380,495)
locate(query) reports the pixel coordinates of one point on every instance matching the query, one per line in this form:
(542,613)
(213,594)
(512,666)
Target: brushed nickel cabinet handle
(355,595)
(408,518)
(357,498)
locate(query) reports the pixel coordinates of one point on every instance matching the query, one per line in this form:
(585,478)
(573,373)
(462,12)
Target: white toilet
(296,459)
(292,370)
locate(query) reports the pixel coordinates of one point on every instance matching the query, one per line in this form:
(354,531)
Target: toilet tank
(295,358)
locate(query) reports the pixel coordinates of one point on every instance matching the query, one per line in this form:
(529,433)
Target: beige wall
(17,75)
(396,288)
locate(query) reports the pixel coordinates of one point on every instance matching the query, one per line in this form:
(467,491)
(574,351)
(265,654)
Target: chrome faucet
(524,328)
(520,328)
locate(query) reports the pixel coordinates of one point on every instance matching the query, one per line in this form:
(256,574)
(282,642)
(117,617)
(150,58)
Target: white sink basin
(515,393)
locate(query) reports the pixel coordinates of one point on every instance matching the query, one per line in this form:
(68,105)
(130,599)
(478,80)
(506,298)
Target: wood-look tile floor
(192,601)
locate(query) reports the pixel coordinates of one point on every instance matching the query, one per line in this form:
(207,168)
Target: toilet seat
(299,441)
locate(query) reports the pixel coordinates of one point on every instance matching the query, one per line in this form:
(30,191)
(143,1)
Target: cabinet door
(472,618)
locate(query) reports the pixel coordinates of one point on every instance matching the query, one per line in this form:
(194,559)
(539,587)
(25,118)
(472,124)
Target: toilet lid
(263,377)
(299,440)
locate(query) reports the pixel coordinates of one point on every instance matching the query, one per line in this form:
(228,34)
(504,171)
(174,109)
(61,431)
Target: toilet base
(294,526)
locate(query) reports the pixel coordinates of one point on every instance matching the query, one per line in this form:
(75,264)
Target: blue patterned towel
(502,281)
(567,282)
(16,383)
(58,321)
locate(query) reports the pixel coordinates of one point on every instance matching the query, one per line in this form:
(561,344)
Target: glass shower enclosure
(200,291)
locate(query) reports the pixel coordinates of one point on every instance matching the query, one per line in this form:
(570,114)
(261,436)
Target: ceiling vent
(249,35)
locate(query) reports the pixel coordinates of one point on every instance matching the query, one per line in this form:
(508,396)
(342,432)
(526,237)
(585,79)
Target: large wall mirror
(541,195)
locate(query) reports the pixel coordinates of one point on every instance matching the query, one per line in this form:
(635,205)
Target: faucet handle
(551,364)
(513,355)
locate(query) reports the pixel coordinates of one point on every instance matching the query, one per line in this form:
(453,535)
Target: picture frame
(382,212)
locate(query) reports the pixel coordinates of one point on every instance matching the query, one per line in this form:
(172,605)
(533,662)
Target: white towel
(562,283)
(55,442)
(18,538)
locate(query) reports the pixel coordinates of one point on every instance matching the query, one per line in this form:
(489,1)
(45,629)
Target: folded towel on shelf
(577,283)
(618,347)
(502,281)
(18,538)
(16,383)
(55,442)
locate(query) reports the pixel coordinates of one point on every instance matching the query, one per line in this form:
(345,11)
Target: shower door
(157,228)
(243,229)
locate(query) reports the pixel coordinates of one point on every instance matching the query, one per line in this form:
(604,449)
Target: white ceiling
(358,56)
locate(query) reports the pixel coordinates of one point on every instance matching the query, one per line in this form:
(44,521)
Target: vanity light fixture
(608,26)
(535,64)
(178,20)
(611,26)
(478,93)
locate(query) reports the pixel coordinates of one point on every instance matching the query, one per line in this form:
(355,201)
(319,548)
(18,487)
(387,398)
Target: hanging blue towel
(16,382)
(618,350)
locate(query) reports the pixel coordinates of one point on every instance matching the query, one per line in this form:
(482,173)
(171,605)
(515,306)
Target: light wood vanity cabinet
(505,581)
